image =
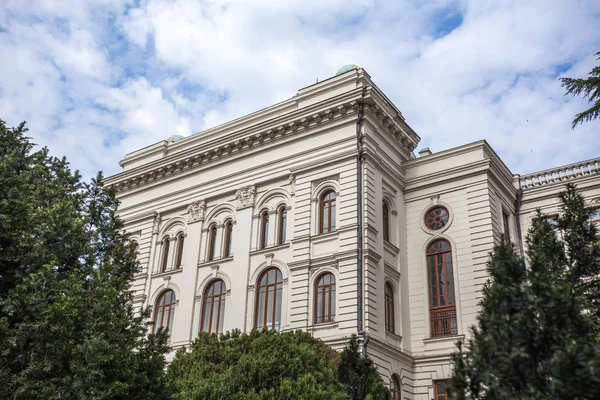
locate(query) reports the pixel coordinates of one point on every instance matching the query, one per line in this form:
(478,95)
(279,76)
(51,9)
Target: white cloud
(97,81)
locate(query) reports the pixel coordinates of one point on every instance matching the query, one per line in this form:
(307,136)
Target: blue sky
(95,80)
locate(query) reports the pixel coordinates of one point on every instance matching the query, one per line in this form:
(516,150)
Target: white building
(315,214)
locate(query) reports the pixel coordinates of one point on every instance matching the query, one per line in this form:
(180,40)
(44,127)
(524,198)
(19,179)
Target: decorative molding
(292,179)
(196,211)
(269,257)
(246,196)
(156,224)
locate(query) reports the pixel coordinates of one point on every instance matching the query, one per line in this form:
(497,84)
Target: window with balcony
(442,306)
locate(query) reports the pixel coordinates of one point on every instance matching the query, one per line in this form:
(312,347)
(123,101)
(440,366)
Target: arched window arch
(442,303)
(213,307)
(179,257)
(228,233)
(395,388)
(386,222)
(282,225)
(269,291)
(165,254)
(212,242)
(264,229)
(164,310)
(390,320)
(327,212)
(324,306)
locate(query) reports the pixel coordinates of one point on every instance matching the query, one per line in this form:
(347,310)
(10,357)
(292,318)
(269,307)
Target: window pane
(278,306)
(325,219)
(332,227)
(221,314)
(260,308)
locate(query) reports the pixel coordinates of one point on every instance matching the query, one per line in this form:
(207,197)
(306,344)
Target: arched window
(282,225)
(213,307)
(395,388)
(441,289)
(264,229)
(228,232)
(390,324)
(268,300)
(324,310)
(164,310)
(212,242)
(179,257)
(165,255)
(327,212)
(386,222)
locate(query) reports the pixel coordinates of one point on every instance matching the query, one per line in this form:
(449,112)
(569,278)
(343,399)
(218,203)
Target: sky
(98,79)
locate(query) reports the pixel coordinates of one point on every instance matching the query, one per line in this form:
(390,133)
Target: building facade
(316,214)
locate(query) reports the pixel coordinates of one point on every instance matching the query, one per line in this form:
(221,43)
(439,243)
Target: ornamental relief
(245,197)
(196,211)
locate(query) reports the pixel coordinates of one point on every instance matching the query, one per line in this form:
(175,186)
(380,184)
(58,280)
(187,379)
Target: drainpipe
(359,202)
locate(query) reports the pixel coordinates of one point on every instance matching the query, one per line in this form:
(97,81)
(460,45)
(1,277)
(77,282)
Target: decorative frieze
(196,211)
(156,224)
(245,197)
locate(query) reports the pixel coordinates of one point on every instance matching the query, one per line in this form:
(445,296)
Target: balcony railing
(443,322)
(560,174)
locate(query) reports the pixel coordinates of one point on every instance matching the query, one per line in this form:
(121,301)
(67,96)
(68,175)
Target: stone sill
(168,272)
(441,339)
(270,249)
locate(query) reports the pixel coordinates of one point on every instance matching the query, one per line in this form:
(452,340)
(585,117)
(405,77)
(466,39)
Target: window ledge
(449,338)
(324,236)
(215,261)
(271,248)
(167,272)
(390,248)
(393,336)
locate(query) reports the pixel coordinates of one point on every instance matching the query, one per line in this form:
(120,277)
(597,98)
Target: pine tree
(589,87)
(67,326)
(359,375)
(537,333)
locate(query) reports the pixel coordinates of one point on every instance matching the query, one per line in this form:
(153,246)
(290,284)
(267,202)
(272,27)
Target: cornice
(448,175)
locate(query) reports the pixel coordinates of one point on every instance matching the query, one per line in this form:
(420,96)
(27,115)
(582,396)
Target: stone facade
(341,135)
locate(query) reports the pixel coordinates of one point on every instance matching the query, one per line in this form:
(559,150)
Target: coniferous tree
(588,87)
(537,333)
(359,375)
(67,326)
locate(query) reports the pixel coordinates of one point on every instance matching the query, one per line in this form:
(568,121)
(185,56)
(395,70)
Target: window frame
(386,221)
(436,394)
(165,254)
(389,308)
(179,252)
(228,231)
(282,225)
(328,291)
(331,205)
(506,226)
(212,242)
(439,316)
(276,285)
(395,388)
(430,210)
(264,230)
(171,310)
(221,297)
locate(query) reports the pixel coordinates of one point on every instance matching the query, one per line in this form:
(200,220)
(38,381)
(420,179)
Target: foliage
(67,326)
(589,87)
(258,365)
(358,374)
(537,333)
(272,365)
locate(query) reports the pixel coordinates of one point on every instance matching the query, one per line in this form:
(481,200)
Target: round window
(436,218)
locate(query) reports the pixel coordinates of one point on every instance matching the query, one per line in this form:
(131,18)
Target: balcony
(443,322)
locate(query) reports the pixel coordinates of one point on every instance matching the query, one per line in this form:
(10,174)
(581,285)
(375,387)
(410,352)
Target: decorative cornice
(131,180)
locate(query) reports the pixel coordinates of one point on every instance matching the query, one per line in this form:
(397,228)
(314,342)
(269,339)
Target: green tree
(67,326)
(258,365)
(359,375)
(590,88)
(537,333)
(272,365)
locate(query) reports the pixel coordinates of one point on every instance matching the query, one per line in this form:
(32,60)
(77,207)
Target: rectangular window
(440,390)
(506,226)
